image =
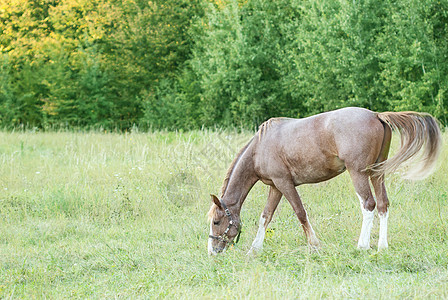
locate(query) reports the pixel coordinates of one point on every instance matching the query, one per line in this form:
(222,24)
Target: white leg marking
(257,244)
(382,242)
(210,241)
(313,241)
(367,222)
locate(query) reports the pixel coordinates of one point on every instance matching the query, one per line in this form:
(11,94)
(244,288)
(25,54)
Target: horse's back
(320,147)
(338,129)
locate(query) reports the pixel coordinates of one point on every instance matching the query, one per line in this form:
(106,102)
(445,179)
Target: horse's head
(224,227)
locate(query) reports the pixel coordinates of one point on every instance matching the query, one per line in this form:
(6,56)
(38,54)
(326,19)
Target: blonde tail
(418,131)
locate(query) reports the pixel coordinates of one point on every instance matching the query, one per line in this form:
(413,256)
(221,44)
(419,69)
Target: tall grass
(94,215)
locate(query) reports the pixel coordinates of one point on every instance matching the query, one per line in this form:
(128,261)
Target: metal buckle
(224,237)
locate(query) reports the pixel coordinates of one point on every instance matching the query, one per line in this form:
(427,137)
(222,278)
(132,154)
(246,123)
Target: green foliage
(238,62)
(187,64)
(295,58)
(88,63)
(7,109)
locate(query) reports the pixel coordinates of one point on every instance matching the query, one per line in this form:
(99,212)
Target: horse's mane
(261,130)
(213,208)
(232,166)
(268,124)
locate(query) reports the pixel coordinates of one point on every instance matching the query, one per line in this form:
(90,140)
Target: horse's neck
(241,180)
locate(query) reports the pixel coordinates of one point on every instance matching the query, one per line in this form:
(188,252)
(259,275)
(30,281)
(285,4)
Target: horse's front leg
(288,189)
(265,218)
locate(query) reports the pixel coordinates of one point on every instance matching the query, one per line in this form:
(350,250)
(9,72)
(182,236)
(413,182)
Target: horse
(285,153)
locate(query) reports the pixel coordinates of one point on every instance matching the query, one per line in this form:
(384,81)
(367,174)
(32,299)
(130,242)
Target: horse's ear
(216,201)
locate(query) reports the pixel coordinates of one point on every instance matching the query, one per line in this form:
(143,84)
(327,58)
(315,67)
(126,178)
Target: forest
(191,64)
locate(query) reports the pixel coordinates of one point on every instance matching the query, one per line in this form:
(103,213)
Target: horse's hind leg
(362,187)
(382,207)
(265,218)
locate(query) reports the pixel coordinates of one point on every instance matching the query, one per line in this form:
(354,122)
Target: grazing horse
(285,153)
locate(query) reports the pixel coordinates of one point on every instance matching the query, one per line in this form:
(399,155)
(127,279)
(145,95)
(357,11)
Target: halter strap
(226,210)
(223,237)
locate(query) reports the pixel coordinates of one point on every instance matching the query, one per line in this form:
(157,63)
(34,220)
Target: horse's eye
(216,223)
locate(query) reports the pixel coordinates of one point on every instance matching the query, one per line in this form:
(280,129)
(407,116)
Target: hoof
(314,248)
(314,243)
(363,247)
(253,251)
(382,246)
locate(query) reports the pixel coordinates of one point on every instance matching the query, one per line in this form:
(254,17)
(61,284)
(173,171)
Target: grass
(95,215)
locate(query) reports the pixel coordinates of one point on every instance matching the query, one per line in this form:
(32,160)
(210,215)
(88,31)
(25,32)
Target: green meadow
(108,215)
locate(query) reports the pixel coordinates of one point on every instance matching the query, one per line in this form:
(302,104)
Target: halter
(223,237)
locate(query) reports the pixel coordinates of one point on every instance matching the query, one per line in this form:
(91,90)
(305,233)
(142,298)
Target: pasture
(95,215)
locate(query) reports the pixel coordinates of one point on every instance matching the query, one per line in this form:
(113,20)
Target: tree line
(186,64)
